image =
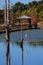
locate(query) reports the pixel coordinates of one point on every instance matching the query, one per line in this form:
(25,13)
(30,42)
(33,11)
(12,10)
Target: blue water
(32,54)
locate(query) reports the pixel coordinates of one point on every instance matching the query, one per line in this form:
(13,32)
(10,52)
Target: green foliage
(18,7)
(23,12)
(26,9)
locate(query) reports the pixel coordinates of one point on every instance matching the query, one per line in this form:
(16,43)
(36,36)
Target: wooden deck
(17,28)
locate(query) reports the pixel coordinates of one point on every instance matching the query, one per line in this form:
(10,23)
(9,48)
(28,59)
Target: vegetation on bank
(28,9)
(36,43)
(25,9)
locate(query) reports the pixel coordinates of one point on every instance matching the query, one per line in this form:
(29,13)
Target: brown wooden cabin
(24,20)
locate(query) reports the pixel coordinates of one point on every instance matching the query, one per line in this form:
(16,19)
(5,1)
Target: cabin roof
(24,17)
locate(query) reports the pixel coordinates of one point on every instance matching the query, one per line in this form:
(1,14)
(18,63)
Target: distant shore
(36,43)
(13,29)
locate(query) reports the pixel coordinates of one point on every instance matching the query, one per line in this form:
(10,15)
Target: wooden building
(24,20)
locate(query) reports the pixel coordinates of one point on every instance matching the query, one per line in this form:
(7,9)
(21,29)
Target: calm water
(33,54)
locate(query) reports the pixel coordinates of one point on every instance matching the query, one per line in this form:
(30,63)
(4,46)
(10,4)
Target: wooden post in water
(7,32)
(22,41)
(22,51)
(21,35)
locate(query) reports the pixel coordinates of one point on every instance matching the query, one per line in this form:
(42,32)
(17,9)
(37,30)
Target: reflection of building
(25,20)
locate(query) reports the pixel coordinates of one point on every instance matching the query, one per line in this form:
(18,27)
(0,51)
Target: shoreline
(13,29)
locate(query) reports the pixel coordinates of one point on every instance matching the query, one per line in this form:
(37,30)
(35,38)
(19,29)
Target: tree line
(19,9)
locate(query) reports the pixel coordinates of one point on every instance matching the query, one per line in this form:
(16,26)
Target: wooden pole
(8,13)
(21,32)
(22,51)
(22,41)
(22,54)
(21,35)
(5,11)
(7,54)
(7,33)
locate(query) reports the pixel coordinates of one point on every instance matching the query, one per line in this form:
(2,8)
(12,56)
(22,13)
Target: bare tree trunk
(6,12)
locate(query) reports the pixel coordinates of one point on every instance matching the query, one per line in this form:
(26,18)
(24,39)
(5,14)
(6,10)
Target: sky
(12,2)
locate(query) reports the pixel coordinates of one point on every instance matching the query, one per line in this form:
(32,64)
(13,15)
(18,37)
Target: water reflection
(15,55)
(2,53)
(32,53)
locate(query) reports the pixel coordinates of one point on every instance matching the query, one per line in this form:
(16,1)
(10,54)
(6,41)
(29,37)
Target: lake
(32,53)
